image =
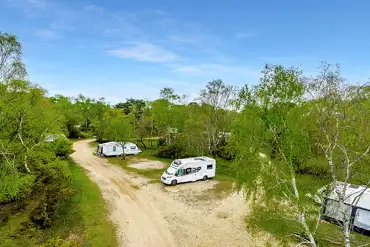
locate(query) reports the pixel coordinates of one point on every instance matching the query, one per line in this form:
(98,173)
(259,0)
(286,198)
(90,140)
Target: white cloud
(46,34)
(214,69)
(157,12)
(188,69)
(42,4)
(184,39)
(243,35)
(145,52)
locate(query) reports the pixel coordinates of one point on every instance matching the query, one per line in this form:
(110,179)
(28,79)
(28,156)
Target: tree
(169,94)
(99,108)
(214,97)
(85,106)
(118,127)
(135,106)
(341,115)
(71,114)
(11,66)
(269,142)
(161,109)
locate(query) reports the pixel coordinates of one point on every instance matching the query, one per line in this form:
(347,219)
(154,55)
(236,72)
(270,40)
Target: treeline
(197,128)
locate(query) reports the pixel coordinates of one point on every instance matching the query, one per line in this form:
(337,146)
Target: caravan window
(114,148)
(362,219)
(132,147)
(209,167)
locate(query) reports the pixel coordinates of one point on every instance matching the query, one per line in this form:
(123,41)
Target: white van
(189,170)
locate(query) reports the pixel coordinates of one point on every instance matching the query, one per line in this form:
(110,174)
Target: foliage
(172,151)
(11,66)
(79,221)
(118,126)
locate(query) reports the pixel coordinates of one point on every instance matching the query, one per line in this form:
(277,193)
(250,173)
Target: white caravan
(357,203)
(109,149)
(116,149)
(189,170)
(131,148)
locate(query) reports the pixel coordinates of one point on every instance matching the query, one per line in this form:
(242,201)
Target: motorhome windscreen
(170,171)
(176,163)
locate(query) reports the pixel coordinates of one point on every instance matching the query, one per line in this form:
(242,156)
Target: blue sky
(121,49)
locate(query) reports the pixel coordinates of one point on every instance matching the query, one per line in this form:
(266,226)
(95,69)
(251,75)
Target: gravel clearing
(144,164)
(156,215)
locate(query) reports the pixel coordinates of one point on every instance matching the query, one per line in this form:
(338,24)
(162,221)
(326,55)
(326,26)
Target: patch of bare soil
(192,188)
(144,164)
(157,215)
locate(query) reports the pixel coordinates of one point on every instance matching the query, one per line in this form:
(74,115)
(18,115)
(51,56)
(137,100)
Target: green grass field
(82,219)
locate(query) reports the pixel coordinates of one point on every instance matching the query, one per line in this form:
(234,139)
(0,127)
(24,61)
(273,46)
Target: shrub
(13,184)
(52,188)
(62,147)
(161,142)
(172,151)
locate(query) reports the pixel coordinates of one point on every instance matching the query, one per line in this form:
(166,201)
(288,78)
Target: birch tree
(11,65)
(270,140)
(341,114)
(215,97)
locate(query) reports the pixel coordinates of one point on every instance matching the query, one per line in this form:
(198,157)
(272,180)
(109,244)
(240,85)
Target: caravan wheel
(205,178)
(173,182)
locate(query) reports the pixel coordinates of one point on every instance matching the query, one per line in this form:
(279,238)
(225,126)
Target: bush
(13,184)
(172,151)
(52,188)
(62,147)
(225,150)
(161,142)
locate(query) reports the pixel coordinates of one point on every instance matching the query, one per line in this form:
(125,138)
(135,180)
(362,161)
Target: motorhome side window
(188,171)
(114,148)
(209,167)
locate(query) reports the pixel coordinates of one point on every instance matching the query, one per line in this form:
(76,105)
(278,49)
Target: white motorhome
(117,149)
(189,170)
(357,204)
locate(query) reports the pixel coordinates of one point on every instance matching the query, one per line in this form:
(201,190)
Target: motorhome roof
(192,159)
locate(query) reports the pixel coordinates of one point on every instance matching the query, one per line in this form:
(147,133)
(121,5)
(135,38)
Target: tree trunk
(142,142)
(347,230)
(25,164)
(302,219)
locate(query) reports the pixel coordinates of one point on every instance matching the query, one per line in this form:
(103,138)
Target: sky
(122,49)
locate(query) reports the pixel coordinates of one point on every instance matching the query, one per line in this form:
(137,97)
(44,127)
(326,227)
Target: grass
(83,218)
(282,225)
(279,225)
(87,210)
(220,191)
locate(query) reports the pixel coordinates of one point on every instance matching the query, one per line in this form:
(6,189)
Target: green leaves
(11,66)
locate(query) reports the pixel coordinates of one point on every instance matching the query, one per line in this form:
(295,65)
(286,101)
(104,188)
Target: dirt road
(156,215)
